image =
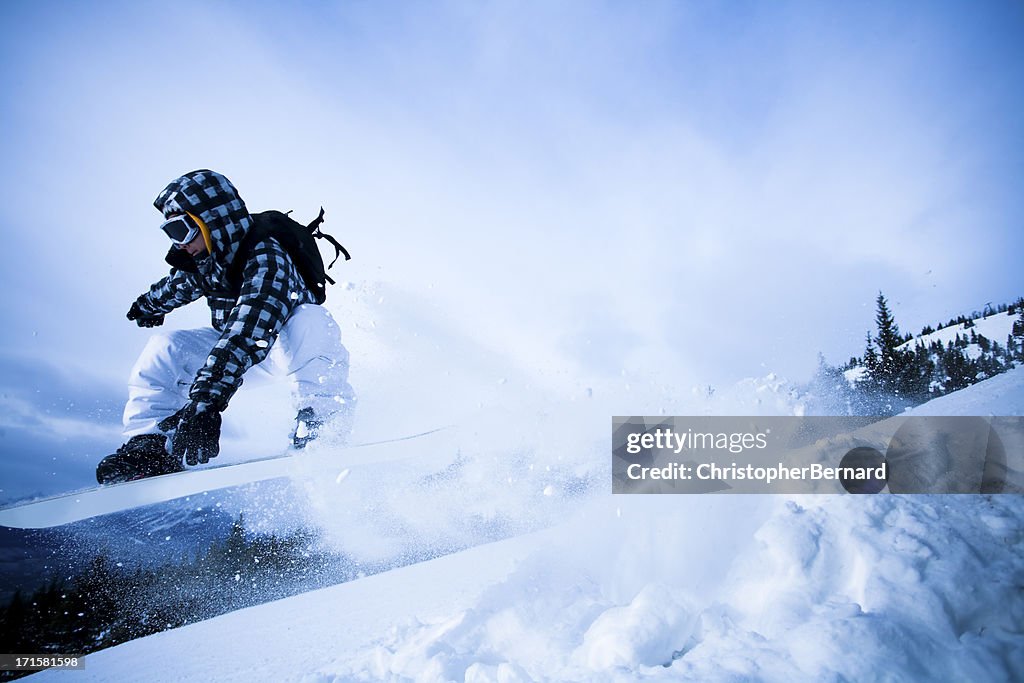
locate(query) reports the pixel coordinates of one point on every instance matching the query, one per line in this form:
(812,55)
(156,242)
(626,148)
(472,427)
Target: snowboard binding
(307,428)
(144,455)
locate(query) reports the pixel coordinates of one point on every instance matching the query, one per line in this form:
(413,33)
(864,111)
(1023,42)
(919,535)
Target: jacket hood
(210,196)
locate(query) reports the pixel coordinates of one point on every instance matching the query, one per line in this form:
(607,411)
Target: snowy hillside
(715,588)
(974,349)
(996,327)
(1000,395)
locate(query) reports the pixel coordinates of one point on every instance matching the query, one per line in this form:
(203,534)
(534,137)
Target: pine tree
(960,370)
(915,374)
(870,355)
(890,358)
(14,624)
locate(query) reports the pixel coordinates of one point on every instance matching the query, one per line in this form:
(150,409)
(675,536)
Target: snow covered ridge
(996,327)
(898,372)
(1000,395)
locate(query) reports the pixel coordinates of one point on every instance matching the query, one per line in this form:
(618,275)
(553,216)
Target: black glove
(144,319)
(197,432)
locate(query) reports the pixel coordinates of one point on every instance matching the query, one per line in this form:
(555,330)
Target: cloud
(693,174)
(55,425)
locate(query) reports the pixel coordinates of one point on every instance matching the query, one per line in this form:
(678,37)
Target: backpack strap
(268,224)
(314,228)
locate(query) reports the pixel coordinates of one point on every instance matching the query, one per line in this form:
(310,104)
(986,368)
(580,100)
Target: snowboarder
(184,379)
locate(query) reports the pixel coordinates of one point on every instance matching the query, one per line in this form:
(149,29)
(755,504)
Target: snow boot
(144,455)
(307,428)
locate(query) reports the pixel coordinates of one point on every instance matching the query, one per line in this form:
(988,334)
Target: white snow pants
(308,350)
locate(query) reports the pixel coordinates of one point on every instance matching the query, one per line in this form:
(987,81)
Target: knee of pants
(170,358)
(311,334)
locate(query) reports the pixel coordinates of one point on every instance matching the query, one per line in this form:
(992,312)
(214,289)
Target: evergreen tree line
(968,320)
(107,604)
(892,375)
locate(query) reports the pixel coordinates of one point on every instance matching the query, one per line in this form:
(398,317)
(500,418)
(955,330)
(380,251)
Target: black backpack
(300,241)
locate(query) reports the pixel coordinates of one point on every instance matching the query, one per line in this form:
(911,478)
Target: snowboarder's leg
(160,380)
(309,349)
(157,388)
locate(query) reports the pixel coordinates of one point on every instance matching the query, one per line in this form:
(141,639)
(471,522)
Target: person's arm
(176,290)
(271,289)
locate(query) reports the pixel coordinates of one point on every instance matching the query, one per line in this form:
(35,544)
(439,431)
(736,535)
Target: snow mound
(854,588)
(647,631)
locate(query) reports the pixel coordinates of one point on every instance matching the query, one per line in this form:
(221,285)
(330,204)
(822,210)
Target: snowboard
(315,460)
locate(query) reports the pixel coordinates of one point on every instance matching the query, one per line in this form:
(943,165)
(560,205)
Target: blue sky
(700,191)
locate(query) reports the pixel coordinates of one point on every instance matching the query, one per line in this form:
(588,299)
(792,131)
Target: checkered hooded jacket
(249,321)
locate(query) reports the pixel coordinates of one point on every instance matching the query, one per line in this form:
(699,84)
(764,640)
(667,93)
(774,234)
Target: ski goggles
(181,229)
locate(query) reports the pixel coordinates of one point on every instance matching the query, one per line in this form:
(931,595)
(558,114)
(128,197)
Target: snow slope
(996,327)
(999,395)
(708,588)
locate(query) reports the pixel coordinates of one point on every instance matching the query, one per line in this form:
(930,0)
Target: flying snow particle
(341,476)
